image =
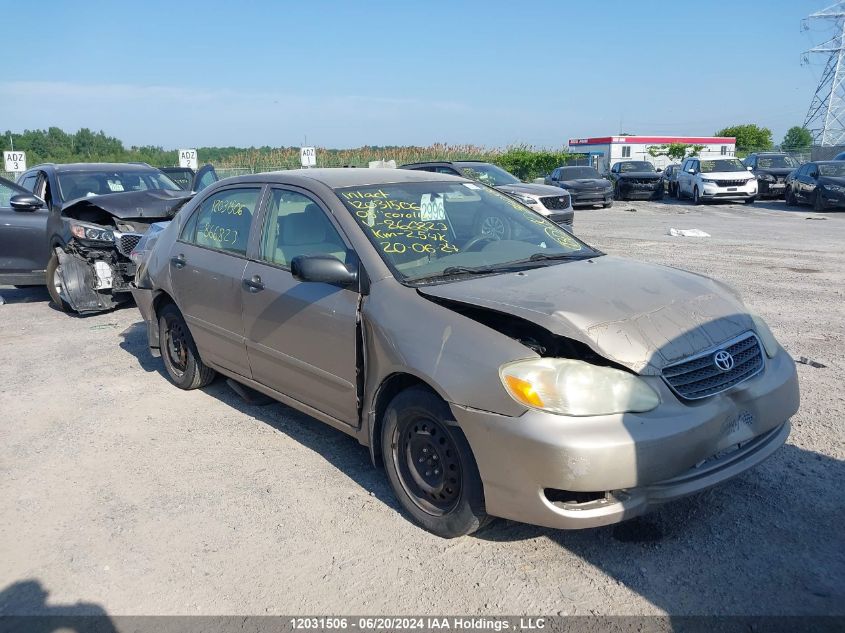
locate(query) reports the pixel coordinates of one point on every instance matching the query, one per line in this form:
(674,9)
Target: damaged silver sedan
(532,378)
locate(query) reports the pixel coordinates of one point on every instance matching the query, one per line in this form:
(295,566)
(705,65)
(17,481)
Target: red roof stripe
(692,140)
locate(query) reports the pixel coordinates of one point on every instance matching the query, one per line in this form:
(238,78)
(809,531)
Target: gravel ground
(118,492)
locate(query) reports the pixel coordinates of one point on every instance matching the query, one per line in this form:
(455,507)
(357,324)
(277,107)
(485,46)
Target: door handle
(255,284)
(178,261)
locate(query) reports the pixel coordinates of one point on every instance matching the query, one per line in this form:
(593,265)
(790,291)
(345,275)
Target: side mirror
(691,171)
(659,169)
(750,168)
(325,269)
(26,202)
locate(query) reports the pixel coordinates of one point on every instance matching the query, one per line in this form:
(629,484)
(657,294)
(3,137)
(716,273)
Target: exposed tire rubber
(195,373)
(50,274)
(408,410)
(750,200)
(696,198)
(607,205)
(790,198)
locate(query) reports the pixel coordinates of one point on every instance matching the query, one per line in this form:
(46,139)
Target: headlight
(93,233)
(708,181)
(766,177)
(523,198)
(770,343)
(575,388)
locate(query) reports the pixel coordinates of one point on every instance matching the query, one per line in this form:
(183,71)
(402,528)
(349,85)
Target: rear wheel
(430,465)
(179,351)
(54,284)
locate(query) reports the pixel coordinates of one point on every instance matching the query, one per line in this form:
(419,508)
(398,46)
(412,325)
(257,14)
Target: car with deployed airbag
(533,378)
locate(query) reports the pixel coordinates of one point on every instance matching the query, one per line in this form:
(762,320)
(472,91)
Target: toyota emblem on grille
(723,360)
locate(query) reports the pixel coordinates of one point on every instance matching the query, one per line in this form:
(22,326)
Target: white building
(605,151)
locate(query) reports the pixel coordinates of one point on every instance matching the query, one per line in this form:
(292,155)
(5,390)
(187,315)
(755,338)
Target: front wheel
(696,198)
(54,284)
(790,197)
(430,465)
(179,352)
(818,202)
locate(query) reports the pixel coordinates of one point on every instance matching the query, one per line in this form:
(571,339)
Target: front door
(301,337)
(206,269)
(23,240)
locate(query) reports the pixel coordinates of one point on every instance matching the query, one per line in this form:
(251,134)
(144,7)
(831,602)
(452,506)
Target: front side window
(223,220)
(832,169)
(296,225)
(28,181)
(722,165)
(413,226)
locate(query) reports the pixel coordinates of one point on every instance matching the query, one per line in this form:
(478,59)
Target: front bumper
(144,299)
(569,473)
(776,189)
(590,196)
(740,192)
(641,191)
(832,198)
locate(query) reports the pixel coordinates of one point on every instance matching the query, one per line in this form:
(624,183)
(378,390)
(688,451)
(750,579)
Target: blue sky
(345,74)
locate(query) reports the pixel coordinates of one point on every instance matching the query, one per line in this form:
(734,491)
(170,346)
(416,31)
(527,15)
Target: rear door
(23,240)
(206,270)
(203,178)
(301,337)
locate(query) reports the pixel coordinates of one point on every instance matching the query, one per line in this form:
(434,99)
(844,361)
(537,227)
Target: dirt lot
(120,492)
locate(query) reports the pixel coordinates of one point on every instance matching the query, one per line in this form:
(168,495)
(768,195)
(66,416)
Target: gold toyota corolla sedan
(532,378)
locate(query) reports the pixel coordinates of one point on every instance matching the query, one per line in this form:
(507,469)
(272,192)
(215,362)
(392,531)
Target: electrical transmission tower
(826,116)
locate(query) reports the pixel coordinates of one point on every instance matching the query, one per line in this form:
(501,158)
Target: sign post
(15,161)
(308,157)
(188,158)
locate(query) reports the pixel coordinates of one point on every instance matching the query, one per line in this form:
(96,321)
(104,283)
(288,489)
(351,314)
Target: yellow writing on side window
(228,207)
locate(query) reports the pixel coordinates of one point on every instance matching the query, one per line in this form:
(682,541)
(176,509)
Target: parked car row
(477,367)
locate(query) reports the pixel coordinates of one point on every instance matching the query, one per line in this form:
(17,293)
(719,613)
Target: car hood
(639,315)
(155,203)
(585,183)
(640,175)
(534,190)
(832,180)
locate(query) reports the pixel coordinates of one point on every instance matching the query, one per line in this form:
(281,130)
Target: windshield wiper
(452,271)
(539,257)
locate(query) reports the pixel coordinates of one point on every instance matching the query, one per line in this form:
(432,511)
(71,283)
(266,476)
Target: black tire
(696,198)
(659,195)
(52,284)
(818,203)
(22,286)
(791,201)
(179,352)
(678,194)
(493,225)
(750,200)
(607,205)
(418,434)
(617,193)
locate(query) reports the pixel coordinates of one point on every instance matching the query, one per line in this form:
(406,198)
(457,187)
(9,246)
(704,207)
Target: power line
(826,115)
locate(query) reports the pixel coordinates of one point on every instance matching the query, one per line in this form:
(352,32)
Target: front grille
(643,181)
(561,218)
(699,377)
(731,183)
(555,202)
(125,242)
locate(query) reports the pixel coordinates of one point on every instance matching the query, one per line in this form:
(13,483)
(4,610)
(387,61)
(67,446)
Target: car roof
(71,167)
(338,177)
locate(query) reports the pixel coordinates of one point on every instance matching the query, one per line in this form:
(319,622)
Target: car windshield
(577,173)
(635,166)
(489,174)
(832,169)
(436,230)
(82,184)
(723,164)
(775,162)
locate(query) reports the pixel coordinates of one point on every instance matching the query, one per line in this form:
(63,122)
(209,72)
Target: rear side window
(223,220)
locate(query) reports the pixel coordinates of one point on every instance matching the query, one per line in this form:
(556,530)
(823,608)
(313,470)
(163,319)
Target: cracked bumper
(629,462)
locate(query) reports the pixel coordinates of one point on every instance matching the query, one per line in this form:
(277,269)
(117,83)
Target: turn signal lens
(523,391)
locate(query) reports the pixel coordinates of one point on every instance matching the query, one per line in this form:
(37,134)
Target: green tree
(749,137)
(797,137)
(675,151)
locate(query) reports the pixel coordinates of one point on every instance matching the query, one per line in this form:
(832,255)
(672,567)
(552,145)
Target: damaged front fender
(85,285)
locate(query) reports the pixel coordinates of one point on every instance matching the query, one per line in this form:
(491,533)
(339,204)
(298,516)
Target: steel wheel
(177,347)
(493,226)
(429,465)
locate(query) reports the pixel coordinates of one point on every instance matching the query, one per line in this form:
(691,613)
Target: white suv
(716,179)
